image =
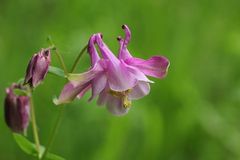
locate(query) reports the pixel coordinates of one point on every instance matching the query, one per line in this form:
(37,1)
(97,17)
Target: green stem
(60,59)
(54,131)
(34,127)
(78,58)
(59,56)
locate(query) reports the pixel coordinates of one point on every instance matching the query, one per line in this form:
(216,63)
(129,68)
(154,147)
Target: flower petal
(140,90)
(29,71)
(120,78)
(70,92)
(81,94)
(24,111)
(98,84)
(102,98)
(38,67)
(105,51)
(40,71)
(127,34)
(79,79)
(92,50)
(115,106)
(16,109)
(140,76)
(156,66)
(123,51)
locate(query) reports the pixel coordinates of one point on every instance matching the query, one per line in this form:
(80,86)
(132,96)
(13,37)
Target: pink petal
(115,106)
(102,98)
(82,93)
(156,66)
(79,79)
(119,77)
(70,92)
(140,90)
(127,34)
(105,51)
(98,84)
(140,76)
(123,51)
(92,50)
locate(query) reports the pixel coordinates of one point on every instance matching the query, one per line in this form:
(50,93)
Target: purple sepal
(16,110)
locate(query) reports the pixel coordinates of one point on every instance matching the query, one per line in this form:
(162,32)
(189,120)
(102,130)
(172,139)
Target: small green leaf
(25,144)
(56,71)
(30,148)
(51,156)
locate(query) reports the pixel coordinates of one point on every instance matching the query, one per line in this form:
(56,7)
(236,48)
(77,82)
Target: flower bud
(38,68)
(16,109)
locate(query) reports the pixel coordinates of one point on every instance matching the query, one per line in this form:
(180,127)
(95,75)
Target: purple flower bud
(16,109)
(38,67)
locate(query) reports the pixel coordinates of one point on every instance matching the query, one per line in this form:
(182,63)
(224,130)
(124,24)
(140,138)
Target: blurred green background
(193,114)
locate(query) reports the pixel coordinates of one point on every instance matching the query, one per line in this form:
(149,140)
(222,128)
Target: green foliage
(27,146)
(30,148)
(56,71)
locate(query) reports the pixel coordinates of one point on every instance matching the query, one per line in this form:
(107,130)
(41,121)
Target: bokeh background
(193,114)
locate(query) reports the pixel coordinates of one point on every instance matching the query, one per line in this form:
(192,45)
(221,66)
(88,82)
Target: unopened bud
(38,67)
(17,109)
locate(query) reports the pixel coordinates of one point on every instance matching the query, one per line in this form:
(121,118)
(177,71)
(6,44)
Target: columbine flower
(38,67)
(117,81)
(16,110)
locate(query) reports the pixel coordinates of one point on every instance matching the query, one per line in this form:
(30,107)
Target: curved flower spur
(115,80)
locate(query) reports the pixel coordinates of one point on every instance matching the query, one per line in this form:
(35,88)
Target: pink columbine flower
(117,81)
(16,109)
(38,67)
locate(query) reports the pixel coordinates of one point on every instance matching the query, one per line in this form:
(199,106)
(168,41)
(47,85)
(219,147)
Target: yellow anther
(126,102)
(123,96)
(116,94)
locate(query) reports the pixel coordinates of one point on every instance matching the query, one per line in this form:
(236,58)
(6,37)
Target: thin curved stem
(60,59)
(34,127)
(59,56)
(78,58)
(54,131)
